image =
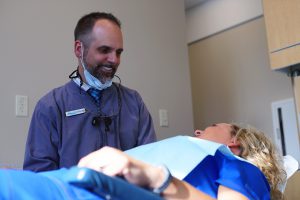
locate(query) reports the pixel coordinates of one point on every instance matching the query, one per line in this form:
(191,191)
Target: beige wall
(231,78)
(36,55)
(211,17)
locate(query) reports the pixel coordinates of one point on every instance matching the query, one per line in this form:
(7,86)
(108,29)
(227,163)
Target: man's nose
(113,58)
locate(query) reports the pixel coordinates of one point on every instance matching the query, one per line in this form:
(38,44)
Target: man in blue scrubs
(90,111)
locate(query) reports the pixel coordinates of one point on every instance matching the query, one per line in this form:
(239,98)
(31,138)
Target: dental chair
(291,165)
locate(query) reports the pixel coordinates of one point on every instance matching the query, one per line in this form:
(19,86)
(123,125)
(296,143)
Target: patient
(247,143)
(218,176)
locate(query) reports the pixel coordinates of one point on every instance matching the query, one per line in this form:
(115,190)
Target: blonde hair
(260,151)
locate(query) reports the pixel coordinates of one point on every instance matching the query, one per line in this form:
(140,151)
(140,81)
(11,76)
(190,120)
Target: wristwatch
(166,182)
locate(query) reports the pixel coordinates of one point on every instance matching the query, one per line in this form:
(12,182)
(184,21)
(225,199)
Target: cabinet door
(282,19)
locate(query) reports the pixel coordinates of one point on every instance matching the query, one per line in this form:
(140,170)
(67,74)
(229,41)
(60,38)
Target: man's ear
(77,48)
(235,147)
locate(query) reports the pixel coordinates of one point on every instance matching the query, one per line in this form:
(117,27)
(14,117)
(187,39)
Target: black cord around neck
(75,74)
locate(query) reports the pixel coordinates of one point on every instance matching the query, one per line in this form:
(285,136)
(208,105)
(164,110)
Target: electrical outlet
(21,105)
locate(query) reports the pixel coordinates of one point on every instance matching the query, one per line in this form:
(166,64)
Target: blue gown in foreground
(68,184)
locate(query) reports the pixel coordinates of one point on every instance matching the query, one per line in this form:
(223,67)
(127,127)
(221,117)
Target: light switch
(21,105)
(163,118)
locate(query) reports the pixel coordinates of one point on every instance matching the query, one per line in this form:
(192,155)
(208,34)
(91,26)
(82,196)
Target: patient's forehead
(224,127)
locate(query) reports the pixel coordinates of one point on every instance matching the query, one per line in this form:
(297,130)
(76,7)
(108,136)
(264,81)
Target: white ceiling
(191,3)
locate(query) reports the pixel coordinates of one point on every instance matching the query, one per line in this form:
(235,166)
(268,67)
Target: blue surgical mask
(92,80)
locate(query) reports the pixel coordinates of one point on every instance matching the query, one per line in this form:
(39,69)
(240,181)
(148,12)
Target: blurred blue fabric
(74,183)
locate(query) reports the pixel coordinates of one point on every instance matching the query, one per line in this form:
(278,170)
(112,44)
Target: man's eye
(119,52)
(105,50)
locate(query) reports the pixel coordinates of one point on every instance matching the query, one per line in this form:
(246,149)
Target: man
(90,111)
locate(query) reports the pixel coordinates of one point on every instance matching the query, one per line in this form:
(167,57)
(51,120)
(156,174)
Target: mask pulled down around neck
(96,83)
(92,80)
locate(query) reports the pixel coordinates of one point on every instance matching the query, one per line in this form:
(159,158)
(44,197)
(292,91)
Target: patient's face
(220,133)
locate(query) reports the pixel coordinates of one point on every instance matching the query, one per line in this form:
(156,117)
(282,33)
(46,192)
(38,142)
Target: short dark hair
(86,23)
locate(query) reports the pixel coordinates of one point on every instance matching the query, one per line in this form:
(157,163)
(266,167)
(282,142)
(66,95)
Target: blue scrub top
(56,140)
(237,175)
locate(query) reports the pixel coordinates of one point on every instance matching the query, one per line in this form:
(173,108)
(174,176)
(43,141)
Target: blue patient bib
(181,154)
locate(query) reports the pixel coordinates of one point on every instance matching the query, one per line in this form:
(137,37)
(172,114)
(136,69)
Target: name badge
(75,112)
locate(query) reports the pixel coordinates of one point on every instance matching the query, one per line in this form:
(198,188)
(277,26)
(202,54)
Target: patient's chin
(235,150)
